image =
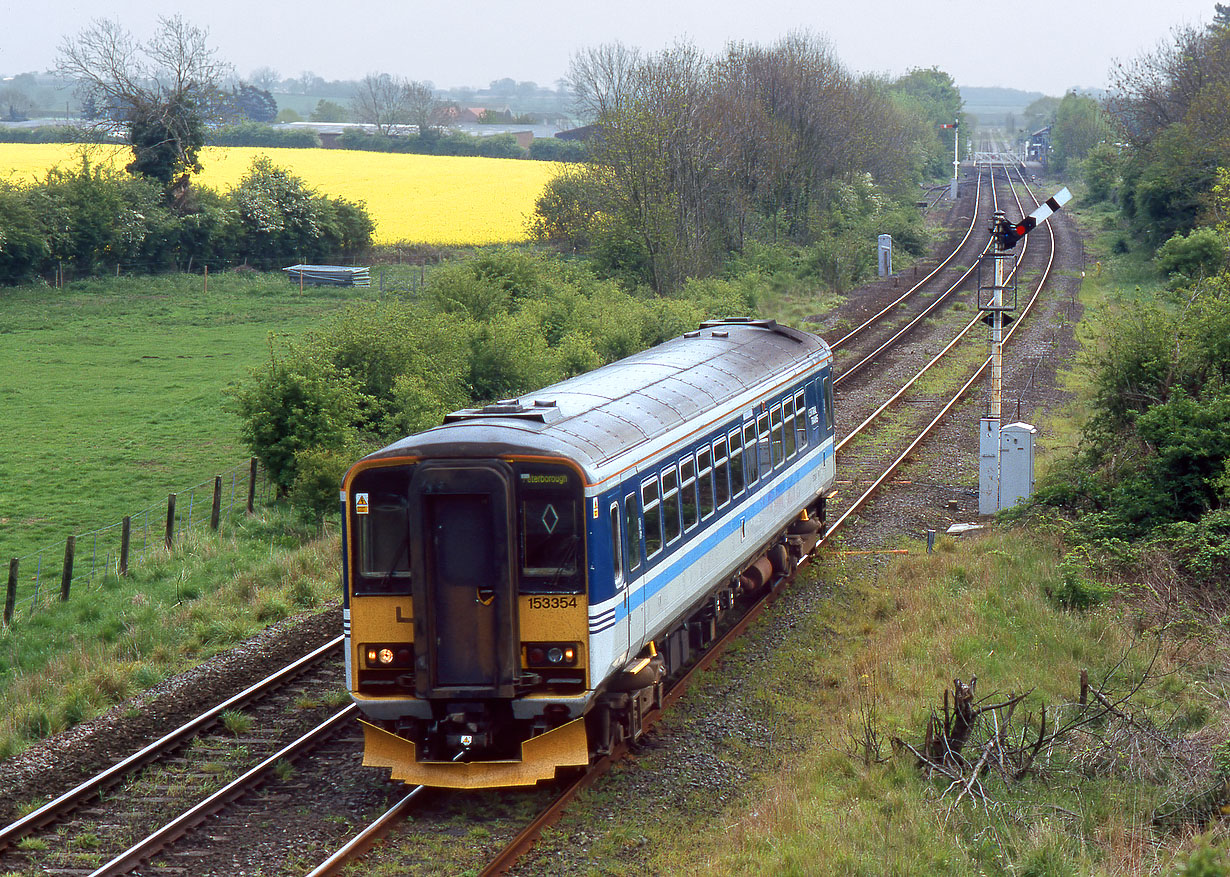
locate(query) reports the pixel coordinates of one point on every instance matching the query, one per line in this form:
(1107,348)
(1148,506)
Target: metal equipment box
(1016,463)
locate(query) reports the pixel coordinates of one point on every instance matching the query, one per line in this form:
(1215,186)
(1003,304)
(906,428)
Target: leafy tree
(293,405)
(23,244)
(328,111)
(1078,128)
(1200,254)
(1101,171)
(160,89)
(1041,113)
(252,103)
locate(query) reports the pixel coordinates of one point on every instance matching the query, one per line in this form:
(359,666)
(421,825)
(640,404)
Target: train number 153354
(553,602)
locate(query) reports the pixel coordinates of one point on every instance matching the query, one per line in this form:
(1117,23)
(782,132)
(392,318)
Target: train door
(634,567)
(462,569)
(619,567)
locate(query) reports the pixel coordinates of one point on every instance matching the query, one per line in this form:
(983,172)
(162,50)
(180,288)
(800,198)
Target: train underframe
(523,741)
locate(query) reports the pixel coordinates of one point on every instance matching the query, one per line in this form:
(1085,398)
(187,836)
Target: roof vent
(771,325)
(541,411)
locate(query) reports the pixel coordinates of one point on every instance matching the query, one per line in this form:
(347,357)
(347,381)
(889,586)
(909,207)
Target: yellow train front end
(466,617)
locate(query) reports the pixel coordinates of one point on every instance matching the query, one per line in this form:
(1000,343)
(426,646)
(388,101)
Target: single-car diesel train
(520,580)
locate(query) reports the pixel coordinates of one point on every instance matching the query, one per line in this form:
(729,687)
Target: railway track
(124,815)
(957,343)
(88,847)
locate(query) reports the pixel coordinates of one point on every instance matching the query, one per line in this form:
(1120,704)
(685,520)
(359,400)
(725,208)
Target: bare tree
(161,90)
(265,78)
(423,109)
(393,104)
(380,100)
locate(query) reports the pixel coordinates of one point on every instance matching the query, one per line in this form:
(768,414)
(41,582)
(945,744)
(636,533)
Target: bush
(279,216)
(555,149)
(259,134)
(1074,591)
(23,246)
(1202,253)
(294,405)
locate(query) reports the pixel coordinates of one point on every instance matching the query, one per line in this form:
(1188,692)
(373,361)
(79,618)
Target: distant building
(1038,147)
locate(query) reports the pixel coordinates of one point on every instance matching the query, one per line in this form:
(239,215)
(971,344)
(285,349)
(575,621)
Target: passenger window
(762,445)
(737,477)
(776,425)
(802,427)
(652,503)
(704,484)
(687,492)
(617,547)
(788,427)
(721,473)
(749,452)
(670,504)
(632,526)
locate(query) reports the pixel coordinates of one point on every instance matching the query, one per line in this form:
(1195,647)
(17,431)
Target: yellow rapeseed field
(416,198)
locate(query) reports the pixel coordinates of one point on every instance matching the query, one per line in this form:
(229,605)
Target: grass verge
(68,662)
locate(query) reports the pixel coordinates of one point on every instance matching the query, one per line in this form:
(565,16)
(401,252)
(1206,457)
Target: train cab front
(459,689)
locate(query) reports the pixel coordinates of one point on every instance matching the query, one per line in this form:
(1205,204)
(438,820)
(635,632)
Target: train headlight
(391,655)
(551,654)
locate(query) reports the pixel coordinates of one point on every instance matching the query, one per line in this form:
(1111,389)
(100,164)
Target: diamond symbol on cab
(550,517)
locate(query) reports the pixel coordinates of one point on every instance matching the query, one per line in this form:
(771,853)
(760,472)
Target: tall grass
(972,609)
(70,661)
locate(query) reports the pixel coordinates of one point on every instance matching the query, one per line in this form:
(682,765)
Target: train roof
(596,417)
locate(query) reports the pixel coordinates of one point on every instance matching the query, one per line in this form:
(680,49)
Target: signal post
(997,299)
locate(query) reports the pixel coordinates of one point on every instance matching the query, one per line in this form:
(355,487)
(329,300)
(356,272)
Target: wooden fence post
(251,485)
(215,514)
(10,596)
(66,577)
(170,534)
(125,541)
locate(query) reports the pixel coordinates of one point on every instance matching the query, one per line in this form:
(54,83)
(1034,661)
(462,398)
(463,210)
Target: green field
(113,391)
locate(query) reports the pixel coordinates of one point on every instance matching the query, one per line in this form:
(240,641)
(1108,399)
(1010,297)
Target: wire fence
(87,559)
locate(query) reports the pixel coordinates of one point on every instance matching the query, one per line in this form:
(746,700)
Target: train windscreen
(550,530)
(380,503)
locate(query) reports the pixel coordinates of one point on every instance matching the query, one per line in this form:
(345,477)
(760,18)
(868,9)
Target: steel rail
(90,788)
(526,838)
(834,345)
(871,357)
(157,841)
(978,373)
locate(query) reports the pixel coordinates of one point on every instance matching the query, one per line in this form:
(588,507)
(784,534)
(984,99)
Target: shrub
(23,246)
(1201,253)
(293,405)
(259,134)
(555,149)
(277,215)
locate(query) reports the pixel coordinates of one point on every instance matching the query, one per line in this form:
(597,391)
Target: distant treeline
(257,134)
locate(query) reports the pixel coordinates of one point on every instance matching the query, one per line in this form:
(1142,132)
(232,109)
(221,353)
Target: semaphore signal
(1007,234)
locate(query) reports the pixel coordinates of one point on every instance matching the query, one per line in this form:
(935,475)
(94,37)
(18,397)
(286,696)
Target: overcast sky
(1043,45)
